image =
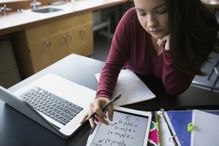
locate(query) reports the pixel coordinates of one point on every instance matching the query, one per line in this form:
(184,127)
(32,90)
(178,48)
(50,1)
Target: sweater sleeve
(116,58)
(174,81)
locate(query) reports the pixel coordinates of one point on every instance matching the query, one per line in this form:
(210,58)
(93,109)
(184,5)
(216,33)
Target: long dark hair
(193,30)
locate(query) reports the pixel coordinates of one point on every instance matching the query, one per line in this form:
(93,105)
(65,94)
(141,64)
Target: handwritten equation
(124,130)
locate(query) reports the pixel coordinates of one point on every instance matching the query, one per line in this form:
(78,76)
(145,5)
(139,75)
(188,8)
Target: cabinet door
(62,45)
(37,47)
(83,40)
(41,53)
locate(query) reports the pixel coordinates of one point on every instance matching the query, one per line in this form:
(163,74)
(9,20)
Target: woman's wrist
(97,97)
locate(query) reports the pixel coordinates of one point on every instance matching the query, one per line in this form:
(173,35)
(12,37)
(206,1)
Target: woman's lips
(155,31)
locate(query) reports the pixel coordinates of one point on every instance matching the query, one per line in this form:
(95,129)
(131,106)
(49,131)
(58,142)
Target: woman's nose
(151,21)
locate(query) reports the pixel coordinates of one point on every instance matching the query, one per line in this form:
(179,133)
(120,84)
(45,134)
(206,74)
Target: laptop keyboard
(51,105)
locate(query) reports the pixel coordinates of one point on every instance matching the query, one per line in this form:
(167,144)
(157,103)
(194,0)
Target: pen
(104,106)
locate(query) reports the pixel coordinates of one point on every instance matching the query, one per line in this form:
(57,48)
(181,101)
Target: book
(131,87)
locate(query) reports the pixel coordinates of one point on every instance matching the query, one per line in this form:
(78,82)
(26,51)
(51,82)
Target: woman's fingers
(164,42)
(91,120)
(100,115)
(161,43)
(110,112)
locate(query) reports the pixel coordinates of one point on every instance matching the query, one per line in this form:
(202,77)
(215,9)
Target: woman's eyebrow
(157,7)
(140,10)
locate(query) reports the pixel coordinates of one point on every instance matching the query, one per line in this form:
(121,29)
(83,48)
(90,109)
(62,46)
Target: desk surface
(18,130)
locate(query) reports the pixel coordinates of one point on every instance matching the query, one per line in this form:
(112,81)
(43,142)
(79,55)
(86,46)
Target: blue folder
(179,121)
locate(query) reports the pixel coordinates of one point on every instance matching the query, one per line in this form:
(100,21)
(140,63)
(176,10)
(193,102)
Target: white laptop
(54,102)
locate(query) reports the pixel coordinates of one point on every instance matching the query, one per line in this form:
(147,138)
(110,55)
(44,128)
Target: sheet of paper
(133,90)
(165,135)
(206,129)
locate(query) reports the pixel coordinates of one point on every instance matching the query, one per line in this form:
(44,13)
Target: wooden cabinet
(40,46)
(9,74)
(80,38)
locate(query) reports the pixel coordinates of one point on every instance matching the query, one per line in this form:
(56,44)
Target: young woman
(164,39)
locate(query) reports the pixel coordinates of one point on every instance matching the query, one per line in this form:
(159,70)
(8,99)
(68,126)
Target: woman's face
(153,17)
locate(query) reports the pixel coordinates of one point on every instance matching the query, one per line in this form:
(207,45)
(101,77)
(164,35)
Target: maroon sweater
(132,48)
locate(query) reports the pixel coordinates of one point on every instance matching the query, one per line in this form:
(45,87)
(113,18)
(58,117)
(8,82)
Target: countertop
(13,22)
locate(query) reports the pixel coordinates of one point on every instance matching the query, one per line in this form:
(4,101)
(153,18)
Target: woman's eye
(142,13)
(161,11)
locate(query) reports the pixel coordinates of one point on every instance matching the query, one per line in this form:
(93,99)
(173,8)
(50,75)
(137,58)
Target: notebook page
(133,90)
(165,135)
(206,129)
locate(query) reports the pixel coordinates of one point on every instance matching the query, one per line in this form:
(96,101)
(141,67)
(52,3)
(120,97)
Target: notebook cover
(153,138)
(179,121)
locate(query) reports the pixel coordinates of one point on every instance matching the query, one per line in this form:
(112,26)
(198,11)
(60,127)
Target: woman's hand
(164,42)
(96,107)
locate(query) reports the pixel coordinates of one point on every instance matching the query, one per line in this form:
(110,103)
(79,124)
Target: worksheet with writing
(126,129)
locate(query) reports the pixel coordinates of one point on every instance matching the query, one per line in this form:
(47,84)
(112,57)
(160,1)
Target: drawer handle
(48,44)
(82,32)
(67,38)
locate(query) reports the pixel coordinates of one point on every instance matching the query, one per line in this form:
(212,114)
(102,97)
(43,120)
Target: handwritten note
(124,130)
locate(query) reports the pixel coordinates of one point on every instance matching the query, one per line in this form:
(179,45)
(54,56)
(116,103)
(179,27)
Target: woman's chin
(157,36)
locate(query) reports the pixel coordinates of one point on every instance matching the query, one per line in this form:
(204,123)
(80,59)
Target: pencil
(104,106)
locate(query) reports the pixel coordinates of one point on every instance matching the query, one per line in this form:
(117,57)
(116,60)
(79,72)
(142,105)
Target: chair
(104,24)
(209,82)
(100,25)
(215,71)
